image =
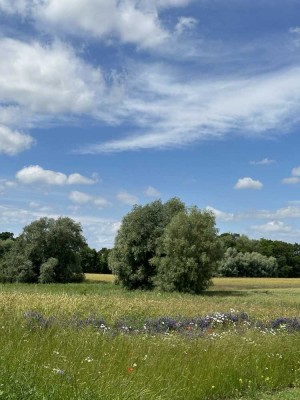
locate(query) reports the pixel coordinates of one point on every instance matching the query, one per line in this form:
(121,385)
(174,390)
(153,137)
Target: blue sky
(109,103)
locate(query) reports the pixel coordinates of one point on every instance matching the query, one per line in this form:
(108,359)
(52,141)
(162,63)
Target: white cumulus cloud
(248,183)
(294,179)
(296,171)
(47,79)
(84,198)
(273,227)
(224,216)
(77,179)
(34,174)
(80,197)
(127,198)
(152,192)
(13,142)
(130,21)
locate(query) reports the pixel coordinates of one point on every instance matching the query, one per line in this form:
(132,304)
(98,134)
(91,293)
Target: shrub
(47,271)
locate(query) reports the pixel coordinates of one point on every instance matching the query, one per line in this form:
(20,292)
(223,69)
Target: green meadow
(54,345)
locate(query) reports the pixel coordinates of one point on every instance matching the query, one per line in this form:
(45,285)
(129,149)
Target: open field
(97,341)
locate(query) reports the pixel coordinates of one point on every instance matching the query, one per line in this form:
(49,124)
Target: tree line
(165,246)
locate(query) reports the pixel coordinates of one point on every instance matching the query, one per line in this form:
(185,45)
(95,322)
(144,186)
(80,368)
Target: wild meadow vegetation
(187,313)
(95,340)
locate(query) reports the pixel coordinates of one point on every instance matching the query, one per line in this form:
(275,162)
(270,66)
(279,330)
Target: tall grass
(62,361)
(67,364)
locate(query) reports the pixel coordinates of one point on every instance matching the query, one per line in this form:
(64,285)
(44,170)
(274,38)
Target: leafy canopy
(188,252)
(166,246)
(31,256)
(136,242)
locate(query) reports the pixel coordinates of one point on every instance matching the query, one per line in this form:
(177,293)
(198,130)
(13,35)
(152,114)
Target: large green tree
(188,252)
(44,245)
(136,242)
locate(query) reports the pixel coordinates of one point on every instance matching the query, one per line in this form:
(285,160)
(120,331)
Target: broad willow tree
(187,252)
(48,250)
(136,242)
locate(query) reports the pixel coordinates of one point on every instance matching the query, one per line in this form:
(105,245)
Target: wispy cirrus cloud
(165,107)
(289,212)
(181,111)
(264,161)
(185,24)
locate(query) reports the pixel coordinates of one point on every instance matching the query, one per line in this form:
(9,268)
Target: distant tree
(286,254)
(103,255)
(239,242)
(89,260)
(136,242)
(40,241)
(6,236)
(253,264)
(5,246)
(187,252)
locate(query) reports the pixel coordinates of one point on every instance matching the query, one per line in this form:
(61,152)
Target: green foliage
(94,262)
(239,242)
(5,246)
(187,253)
(253,264)
(103,256)
(14,264)
(136,242)
(25,273)
(286,254)
(47,272)
(40,241)
(6,236)
(89,260)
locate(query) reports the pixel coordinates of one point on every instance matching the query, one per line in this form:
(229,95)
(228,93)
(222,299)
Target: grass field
(97,341)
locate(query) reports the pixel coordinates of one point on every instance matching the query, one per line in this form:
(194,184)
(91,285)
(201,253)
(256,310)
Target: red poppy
(130,369)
